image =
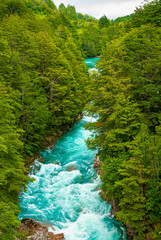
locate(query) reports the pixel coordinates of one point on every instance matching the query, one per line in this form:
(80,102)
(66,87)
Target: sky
(97,8)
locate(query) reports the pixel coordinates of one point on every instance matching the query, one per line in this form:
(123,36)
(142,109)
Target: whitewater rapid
(67,199)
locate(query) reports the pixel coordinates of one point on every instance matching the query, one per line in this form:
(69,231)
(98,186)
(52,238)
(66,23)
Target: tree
(149,13)
(133,201)
(50,4)
(12,177)
(43,88)
(25,79)
(90,40)
(14,6)
(104,22)
(62,7)
(126,97)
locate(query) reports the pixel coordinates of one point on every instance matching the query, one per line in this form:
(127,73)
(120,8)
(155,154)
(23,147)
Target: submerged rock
(34,168)
(71,168)
(41,160)
(54,162)
(49,225)
(98,189)
(38,231)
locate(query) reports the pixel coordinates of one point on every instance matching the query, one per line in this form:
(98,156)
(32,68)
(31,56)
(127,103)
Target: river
(63,193)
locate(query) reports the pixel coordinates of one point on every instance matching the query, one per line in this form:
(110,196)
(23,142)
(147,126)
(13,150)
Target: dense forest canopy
(44,85)
(127,99)
(92,34)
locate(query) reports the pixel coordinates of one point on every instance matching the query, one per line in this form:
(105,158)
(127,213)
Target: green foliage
(149,13)
(122,19)
(110,174)
(41,7)
(12,6)
(90,40)
(132,202)
(69,11)
(12,177)
(43,87)
(50,4)
(104,22)
(9,223)
(126,97)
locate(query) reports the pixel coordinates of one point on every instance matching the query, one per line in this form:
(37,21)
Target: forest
(45,85)
(127,100)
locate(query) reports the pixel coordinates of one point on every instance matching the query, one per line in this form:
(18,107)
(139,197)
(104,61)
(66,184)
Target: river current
(63,193)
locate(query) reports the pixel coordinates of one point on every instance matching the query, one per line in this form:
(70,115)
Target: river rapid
(63,193)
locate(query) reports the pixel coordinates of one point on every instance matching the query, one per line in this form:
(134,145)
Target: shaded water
(67,199)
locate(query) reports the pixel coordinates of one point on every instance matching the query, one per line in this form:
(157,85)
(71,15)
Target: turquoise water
(67,199)
(91,62)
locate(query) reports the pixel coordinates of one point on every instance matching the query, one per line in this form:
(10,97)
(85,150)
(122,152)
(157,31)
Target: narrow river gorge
(63,193)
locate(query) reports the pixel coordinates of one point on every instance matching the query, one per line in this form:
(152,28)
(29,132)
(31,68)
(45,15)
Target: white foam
(89,119)
(70,163)
(91,70)
(64,198)
(87,225)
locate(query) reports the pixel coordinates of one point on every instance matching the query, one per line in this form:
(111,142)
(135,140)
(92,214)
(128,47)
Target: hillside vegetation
(45,85)
(127,98)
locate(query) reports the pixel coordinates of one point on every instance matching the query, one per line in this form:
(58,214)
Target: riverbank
(28,226)
(64,195)
(93,57)
(50,140)
(112,201)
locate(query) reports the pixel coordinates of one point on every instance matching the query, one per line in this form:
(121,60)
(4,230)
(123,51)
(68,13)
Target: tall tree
(12,177)
(104,22)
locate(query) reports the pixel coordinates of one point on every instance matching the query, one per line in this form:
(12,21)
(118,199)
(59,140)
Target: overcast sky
(97,8)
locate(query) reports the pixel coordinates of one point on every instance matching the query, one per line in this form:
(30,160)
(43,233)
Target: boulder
(96,162)
(49,225)
(97,189)
(51,147)
(32,159)
(30,224)
(59,236)
(38,231)
(41,160)
(71,168)
(40,235)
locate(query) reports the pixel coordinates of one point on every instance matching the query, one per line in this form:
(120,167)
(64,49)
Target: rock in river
(71,168)
(37,231)
(96,162)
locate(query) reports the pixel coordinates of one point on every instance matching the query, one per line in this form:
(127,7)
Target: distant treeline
(93,33)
